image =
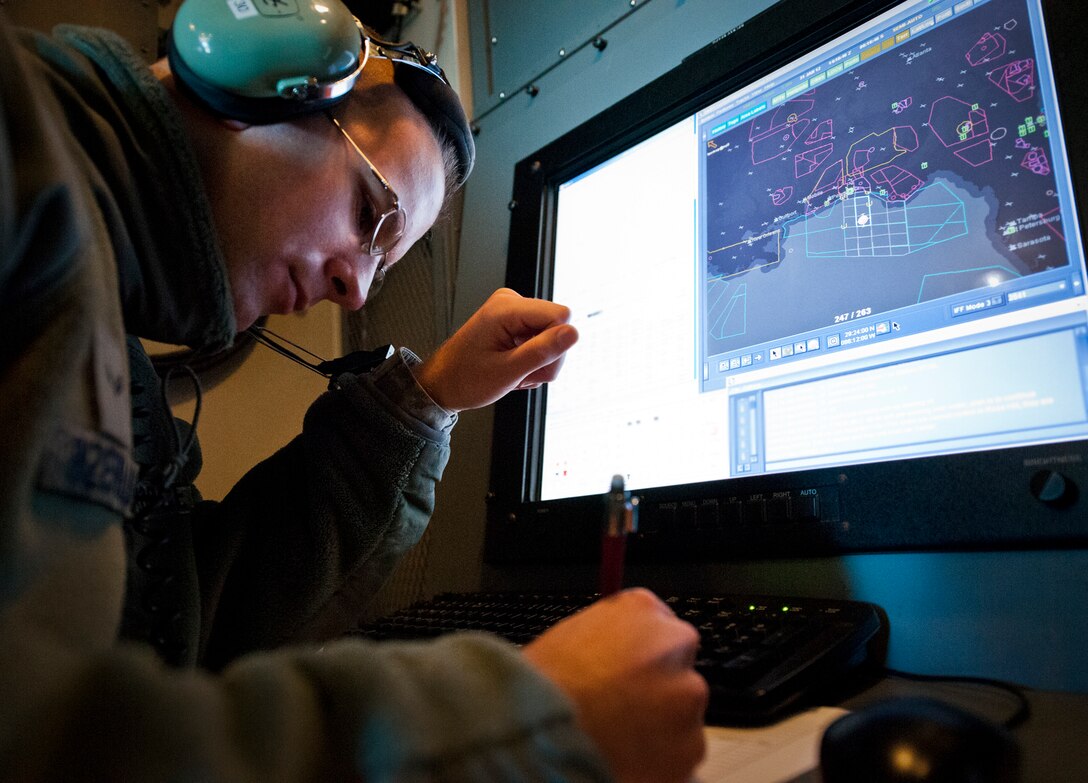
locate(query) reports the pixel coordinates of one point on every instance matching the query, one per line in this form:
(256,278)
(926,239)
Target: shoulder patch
(88,466)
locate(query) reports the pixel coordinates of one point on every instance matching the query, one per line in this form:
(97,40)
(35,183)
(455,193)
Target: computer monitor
(829,277)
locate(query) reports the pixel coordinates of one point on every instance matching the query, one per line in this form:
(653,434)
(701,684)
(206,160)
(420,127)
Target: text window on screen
(927,405)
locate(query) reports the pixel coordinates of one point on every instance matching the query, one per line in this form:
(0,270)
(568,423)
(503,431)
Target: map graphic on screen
(917,169)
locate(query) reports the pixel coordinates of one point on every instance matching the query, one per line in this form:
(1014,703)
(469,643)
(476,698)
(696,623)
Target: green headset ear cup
(237,55)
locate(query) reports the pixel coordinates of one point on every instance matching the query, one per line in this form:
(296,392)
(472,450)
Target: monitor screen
(867,254)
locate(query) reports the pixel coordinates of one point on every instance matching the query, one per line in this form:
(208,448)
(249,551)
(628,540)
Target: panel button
(806,505)
(754,511)
(777,507)
(730,512)
(1053,489)
(686,515)
(707,515)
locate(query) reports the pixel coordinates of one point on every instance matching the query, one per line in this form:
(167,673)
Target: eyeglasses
(378,280)
(388,225)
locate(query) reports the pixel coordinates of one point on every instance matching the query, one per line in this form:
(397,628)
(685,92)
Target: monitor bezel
(973,501)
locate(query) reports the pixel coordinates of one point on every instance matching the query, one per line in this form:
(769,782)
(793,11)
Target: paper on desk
(773,754)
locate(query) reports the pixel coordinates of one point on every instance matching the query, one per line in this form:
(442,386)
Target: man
(128,210)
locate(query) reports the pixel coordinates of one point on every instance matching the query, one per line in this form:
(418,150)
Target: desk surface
(1053,740)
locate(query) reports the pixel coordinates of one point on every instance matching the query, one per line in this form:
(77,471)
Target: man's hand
(626,663)
(509,343)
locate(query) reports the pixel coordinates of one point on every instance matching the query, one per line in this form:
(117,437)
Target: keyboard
(762,656)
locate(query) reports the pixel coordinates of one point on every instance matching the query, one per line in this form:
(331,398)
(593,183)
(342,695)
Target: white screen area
(869,254)
(627,400)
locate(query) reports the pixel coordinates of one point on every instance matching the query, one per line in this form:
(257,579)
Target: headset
(266,61)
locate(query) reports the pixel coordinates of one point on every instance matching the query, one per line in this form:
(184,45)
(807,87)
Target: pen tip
(617,483)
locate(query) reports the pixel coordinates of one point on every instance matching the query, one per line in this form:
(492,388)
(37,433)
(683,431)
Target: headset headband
(264,61)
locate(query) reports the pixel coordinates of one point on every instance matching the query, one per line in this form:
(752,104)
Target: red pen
(621,518)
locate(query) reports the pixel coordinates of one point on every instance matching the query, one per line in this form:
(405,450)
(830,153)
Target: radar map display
(922,172)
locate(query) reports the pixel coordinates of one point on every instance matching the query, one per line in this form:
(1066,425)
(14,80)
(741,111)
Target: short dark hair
(451,171)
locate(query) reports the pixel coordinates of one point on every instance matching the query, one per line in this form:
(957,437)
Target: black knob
(1053,488)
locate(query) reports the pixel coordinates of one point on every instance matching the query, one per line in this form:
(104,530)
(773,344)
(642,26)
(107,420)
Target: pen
(621,518)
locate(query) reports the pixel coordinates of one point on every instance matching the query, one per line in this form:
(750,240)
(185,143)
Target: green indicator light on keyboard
(785,608)
(752,608)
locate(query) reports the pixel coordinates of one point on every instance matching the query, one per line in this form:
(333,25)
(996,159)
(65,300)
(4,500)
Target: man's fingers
(530,316)
(539,358)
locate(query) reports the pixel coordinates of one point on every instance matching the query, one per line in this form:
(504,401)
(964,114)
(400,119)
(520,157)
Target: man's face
(294,201)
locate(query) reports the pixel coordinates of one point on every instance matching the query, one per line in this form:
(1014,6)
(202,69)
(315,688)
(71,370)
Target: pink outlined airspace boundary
(825,130)
(988,48)
(1036,162)
(976,154)
(862,159)
(786,125)
(784,116)
(954,121)
(807,161)
(782,195)
(832,179)
(1016,79)
(898,183)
